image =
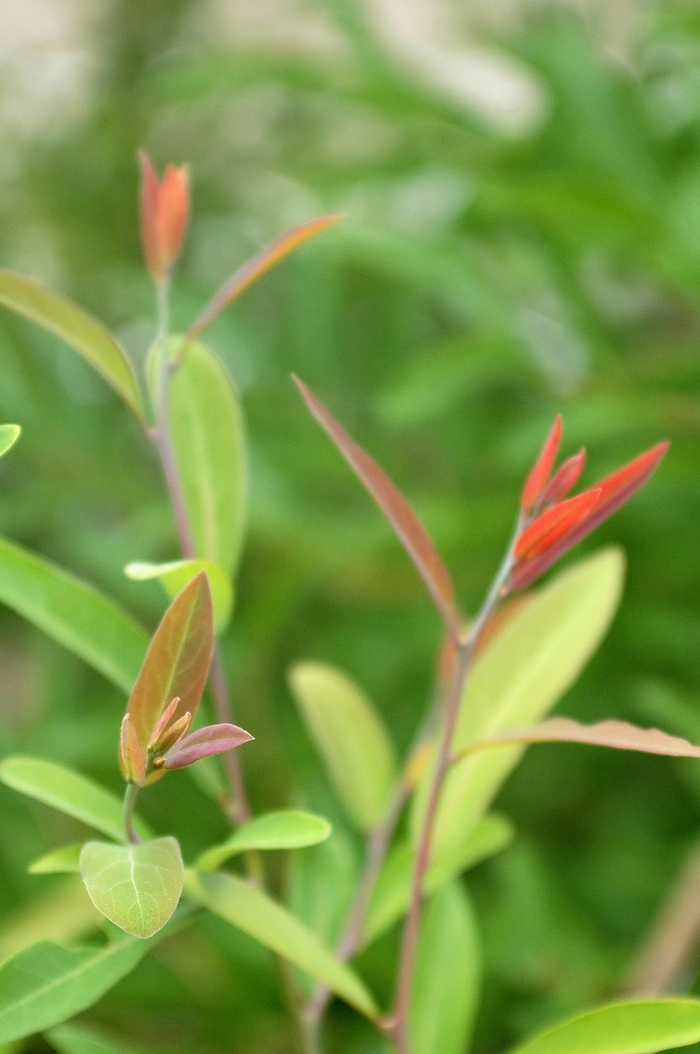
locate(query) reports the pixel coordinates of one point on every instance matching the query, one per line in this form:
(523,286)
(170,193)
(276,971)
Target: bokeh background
(522,184)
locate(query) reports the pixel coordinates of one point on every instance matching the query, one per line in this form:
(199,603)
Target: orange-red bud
(165,209)
(564,479)
(537,480)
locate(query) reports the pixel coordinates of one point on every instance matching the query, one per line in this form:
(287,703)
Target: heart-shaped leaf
(137,887)
(175,575)
(286,829)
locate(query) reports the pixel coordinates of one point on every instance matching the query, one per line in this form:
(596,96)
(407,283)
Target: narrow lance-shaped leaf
(175,575)
(9,434)
(617,734)
(536,481)
(137,887)
(76,1039)
(65,860)
(284,829)
(204,743)
(257,266)
(553,524)
(72,613)
(84,333)
(177,661)
(408,528)
(258,915)
(564,479)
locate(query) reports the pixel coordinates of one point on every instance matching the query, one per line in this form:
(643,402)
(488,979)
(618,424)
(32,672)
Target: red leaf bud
(537,480)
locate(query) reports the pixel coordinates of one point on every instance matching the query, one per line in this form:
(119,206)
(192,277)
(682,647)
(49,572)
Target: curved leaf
(255,913)
(175,575)
(72,613)
(285,829)
(68,791)
(351,737)
(137,887)
(635,1027)
(84,333)
(9,434)
(75,1039)
(64,860)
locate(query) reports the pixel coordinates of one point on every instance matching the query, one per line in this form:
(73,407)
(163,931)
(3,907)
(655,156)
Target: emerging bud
(537,480)
(165,208)
(171,735)
(564,479)
(132,760)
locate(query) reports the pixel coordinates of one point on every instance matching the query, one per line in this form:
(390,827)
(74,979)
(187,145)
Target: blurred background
(522,184)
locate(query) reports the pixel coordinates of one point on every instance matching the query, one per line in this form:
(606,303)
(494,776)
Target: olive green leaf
(65,859)
(76,1039)
(285,829)
(137,887)
(175,575)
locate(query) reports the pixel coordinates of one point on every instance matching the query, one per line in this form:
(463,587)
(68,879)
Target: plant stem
(130,796)
(397,1027)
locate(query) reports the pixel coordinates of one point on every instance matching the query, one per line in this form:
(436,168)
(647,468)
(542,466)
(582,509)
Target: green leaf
(206,422)
(635,1027)
(75,1039)
(286,829)
(392,893)
(46,984)
(518,678)
(62,914)
(9,434)
(447,976)
(84,333)
(255,913)
(68,791)
(72,613)
(351,737)
(137,887)
(66,859)
(175,575)
(177,661)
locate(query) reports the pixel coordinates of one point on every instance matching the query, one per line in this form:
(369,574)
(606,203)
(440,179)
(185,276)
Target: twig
(130,796)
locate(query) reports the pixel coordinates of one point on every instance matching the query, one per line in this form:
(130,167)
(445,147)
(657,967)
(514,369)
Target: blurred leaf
(447,975)
(286,829)
(89,337)
(9,434)
(321,884)
(208,436)
(64,913)
(177,573)
(392,893)
(636,1027)
(72,613)
(177,661)
(518,678)
(137,887)
(408,528)
(352,739)
(268,922)
(75,1039)
(65,859)
(68,791)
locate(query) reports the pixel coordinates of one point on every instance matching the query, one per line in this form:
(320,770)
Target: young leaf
(352,739)
(256,267)
(9,434)
(76,1039)
(542,470)
(66,859)
(68,791)
(206,421)
(46,984)
(618,734)
(72,613)
(175,575)
(137,887)
(177,661)
(285,829)
(635,1027)
(447,975)
(84,333)
(392,893)
(256,914)
(408,528)
(204,743)
(517,679)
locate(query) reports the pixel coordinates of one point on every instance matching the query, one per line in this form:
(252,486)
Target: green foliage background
(480,283)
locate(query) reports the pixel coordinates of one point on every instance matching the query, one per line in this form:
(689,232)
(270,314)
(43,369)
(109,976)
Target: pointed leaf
(72,613)
(9,434)
(137,887)
(68,791)
(177,661)
(617,734)
(551,526)
(204,743)
(66,859)
(392,893)
(542,470)
(564,479)
(76,1039)
(256,267)
(175,575)
(447,977)
(255,913)
(352,739)
(206,422)
(285,829)
(635,1027)
(84,333)
(517,679)
(408,528)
